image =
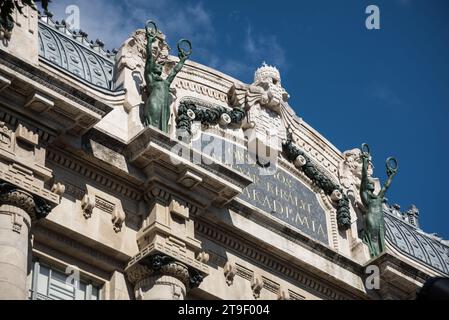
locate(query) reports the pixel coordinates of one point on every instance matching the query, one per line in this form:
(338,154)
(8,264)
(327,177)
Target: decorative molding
(104,204)
(270,285)
(162,249)
(45,137)
(295,296)
(54,84)
(47,236)
(267,261)
(89,172)
(201,89)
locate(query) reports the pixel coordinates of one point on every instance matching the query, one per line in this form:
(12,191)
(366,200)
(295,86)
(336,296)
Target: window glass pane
(56,285)
(59,289)
(81,292)
(94,295)
(42,280)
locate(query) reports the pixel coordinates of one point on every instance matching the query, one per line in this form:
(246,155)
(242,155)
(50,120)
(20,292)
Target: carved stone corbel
(118,217)
(230,270)
(87,205)
(283,294)
(202,257)
(58,188)
(256,285)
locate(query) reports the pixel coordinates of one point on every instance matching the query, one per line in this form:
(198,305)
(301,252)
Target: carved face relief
(268,79)
(351,168)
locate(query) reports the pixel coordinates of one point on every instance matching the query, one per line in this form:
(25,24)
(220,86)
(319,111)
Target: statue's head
(157,69)
(370,185)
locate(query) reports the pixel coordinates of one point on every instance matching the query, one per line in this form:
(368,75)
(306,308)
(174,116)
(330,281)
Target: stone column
(15,222)
(160,287)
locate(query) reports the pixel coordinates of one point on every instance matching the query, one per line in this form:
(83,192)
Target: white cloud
(237,55)
(114,21)
(264,47)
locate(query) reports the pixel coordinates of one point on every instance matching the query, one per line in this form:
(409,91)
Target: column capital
(35,206)
(161,264)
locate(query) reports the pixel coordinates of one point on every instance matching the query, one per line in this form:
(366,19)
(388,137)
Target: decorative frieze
(90,173)
(267,261)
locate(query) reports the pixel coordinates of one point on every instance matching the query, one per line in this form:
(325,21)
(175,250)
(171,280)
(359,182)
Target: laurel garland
(321,180)
(188,112)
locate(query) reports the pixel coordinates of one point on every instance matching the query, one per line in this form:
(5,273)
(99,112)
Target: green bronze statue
(374,224)
(157,105)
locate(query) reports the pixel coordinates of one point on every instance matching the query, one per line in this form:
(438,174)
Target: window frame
(36,269)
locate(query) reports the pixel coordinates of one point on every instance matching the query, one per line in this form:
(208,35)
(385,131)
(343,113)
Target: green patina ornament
(188,112)
(374,224)
(157,105)
(320,179)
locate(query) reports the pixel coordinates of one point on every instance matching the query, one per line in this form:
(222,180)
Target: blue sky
(387,87)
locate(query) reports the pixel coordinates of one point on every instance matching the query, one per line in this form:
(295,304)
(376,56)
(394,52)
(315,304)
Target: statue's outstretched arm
(149,63)
(176,69)
(386,185)
(364,182)
(392,169)
(183,56)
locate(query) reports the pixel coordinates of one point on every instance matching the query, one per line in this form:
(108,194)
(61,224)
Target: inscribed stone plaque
(279,194)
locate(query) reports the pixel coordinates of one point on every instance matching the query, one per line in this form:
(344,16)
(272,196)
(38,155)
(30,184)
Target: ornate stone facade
(143,215)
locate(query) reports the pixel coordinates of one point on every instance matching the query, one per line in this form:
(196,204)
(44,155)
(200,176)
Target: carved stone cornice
(35,91)
(164,265)
(35,206)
